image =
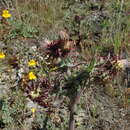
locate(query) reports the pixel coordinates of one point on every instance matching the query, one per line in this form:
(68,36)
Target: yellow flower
(33,110)
(5,11)
(2,55)
(6,14)
(32,63)
(31,76)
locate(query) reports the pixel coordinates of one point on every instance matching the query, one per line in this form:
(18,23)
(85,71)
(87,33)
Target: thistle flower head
(56,49)
(38,91)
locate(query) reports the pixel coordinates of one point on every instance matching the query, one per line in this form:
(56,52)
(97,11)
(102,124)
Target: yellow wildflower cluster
(6,14)
(31,75)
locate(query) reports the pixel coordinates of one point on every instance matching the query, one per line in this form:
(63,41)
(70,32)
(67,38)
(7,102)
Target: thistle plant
(38,90)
